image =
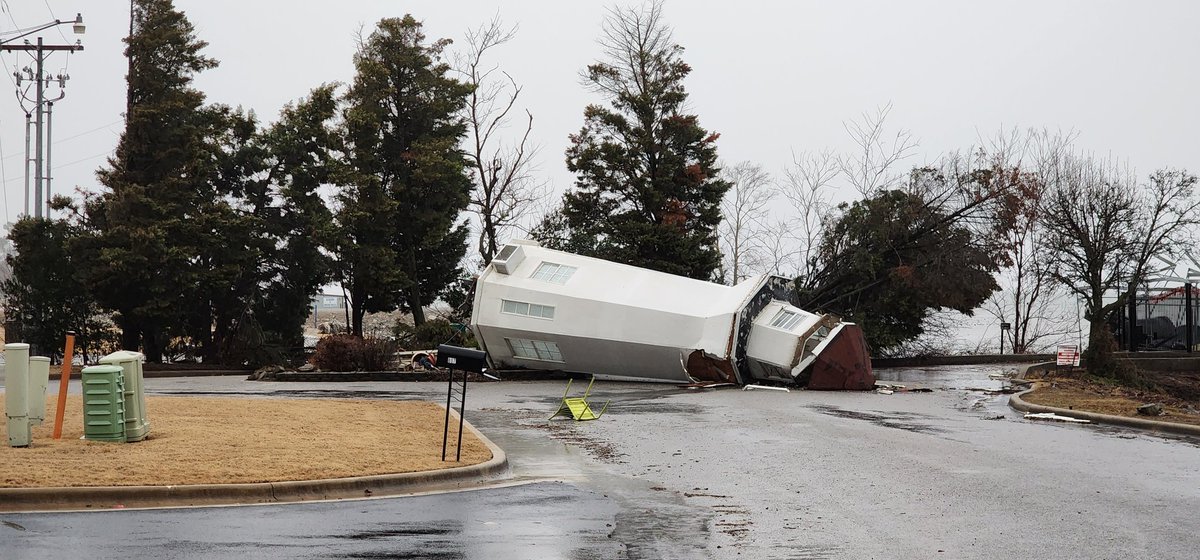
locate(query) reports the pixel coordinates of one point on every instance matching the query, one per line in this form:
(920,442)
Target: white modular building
(537,308)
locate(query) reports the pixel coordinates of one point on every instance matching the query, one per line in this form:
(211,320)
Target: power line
(8,10)
(43,107)
(54,17)
(72,137)
(67,65)
(70,163)
(4,178)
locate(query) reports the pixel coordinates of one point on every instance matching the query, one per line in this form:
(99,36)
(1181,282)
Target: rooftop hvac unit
(508,259)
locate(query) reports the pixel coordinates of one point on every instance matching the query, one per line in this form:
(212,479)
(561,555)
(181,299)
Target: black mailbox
(463,359)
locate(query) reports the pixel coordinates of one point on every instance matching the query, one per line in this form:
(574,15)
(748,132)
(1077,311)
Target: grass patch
(230,440)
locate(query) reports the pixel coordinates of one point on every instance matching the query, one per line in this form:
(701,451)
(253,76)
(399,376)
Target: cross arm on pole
(72,48)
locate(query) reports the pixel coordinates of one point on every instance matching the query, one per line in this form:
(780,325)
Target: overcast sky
(771,77)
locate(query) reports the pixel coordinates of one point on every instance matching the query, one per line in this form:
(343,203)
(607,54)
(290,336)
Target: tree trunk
(131,336)
(1099,358)
(490,245)
(414,303)
(153,345)
(356,318)
(214,339)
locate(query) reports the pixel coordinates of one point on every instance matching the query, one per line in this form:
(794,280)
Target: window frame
(528,309)
(542,350)
(785,320)
(560,274)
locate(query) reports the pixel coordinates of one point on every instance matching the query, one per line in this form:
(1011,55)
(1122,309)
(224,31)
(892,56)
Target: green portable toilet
(103,403)
(136,423)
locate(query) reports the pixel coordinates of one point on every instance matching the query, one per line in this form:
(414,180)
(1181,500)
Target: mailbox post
(467,361)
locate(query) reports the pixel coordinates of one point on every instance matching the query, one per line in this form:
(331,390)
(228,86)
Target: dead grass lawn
(230,440)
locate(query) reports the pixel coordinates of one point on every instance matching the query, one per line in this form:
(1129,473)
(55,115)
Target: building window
(553,273)
(534,349)
(528,309)
(785,320)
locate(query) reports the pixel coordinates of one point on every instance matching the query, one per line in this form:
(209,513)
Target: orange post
(64,378)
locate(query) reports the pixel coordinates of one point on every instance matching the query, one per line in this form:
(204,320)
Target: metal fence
(1162,321)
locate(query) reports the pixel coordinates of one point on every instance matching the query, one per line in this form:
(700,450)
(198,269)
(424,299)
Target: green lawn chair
(578,407)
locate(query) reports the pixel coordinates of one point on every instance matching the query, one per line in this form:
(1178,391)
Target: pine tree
(45,296)
(404,181)
(298,151)
(647,190)
(146,233)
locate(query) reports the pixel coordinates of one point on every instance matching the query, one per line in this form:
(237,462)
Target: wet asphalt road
(669,473)
(547,520)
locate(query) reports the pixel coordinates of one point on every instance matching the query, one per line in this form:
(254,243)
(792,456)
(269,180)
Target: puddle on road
(898,420)
(949,377)
(415,540)
(402,531)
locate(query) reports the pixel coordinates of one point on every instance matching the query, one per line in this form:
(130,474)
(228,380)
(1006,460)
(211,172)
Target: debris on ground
(1151,409)
(1055,417)
(706,385)
(994,416)
(752,387)
(886,389)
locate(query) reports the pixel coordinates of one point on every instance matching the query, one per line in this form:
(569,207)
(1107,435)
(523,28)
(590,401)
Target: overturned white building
(539,308)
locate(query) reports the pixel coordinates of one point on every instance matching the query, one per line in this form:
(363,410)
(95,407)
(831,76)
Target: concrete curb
(1016,402)
(109,497)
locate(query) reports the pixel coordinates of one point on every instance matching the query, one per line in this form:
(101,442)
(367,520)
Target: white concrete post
(16,393)
(39,377)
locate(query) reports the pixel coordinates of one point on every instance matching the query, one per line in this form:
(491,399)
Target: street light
(77,27)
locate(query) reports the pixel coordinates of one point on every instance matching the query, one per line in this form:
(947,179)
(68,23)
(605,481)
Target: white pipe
(16,393)
(39,377)
(750,387)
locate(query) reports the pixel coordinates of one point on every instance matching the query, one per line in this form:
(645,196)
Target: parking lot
(673,473)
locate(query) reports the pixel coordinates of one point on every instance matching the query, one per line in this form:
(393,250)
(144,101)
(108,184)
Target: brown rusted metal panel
(844,364)
(706,368)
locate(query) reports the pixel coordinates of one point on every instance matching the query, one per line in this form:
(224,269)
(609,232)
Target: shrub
(378,354)
(339,352)
(431,333)
(344,352)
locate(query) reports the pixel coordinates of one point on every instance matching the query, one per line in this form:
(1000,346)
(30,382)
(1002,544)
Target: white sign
(1068,355)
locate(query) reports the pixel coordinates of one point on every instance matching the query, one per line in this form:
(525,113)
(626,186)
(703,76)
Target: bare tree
(1030,302)
(746,238)
(1103,228)
(870,168)
(506,192)
(808,181)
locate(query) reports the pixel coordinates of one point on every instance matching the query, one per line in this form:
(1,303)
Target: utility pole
(41,107)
